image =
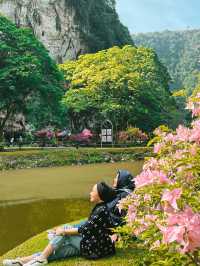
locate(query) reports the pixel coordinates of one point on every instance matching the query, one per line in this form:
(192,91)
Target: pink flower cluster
(122,204)
(139,230)
(132,211)
(172,196)
(194,106)
(183,134)
(188,135)
(158,147)
(152,164)
(176,167)
(145,223)
(148,177)
(195,132)
(143,226)
(184,228)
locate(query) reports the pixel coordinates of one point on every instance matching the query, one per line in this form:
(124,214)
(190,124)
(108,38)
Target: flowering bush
(132,135)
(164,210)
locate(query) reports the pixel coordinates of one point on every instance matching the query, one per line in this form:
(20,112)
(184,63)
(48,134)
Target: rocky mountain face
(53,23)
(68,28)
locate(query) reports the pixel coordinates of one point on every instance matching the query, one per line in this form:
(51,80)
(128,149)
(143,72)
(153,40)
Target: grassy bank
(133,255)
(123,256)
(70,156)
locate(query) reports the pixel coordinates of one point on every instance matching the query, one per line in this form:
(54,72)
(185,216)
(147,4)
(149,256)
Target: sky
(159,15)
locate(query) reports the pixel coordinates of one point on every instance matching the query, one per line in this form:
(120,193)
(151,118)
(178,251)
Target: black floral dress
(96,242)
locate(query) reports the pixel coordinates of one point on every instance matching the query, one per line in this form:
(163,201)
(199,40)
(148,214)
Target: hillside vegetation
(179,51)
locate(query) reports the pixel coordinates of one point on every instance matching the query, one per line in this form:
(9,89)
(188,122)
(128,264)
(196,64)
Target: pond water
(21,221)
(34,200)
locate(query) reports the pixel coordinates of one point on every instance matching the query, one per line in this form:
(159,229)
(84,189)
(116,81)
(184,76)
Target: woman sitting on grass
(91,240)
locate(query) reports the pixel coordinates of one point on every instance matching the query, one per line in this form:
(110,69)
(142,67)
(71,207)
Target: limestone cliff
(52,21)
(66,27)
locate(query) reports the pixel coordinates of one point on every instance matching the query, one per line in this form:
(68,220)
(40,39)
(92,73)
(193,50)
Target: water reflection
(22,221)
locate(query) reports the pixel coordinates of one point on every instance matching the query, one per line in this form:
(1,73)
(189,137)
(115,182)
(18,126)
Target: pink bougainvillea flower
(131,214)
(140,229)
(196,111)
(194,107)
(172,196)
(183,133)
(158,132)
(170,137)
(162,178)
(189,222)
(195,136)
(195,132)
(179,154)
(143,179)
(157,147)
(192,223)
(172,233)
(151,164)
(121,204)
(193,237)
(151,177)
(196,124)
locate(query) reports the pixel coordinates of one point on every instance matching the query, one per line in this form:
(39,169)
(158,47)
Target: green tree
(28,76)
(127,85)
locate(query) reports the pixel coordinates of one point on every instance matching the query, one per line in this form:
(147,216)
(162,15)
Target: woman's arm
(68,231)
(71,231)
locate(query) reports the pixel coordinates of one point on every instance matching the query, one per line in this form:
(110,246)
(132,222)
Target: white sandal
(12,262)
(36,262)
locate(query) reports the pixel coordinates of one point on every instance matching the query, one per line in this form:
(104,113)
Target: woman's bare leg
(26,259)
(44,255)
(47,251)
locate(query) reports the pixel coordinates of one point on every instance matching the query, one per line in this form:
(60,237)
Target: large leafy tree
(127,85)
(28,76)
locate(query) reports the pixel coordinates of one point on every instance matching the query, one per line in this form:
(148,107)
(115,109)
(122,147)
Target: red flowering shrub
(132,135)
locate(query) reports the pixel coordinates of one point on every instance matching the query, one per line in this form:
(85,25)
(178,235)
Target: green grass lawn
(37,243)
(136,255)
